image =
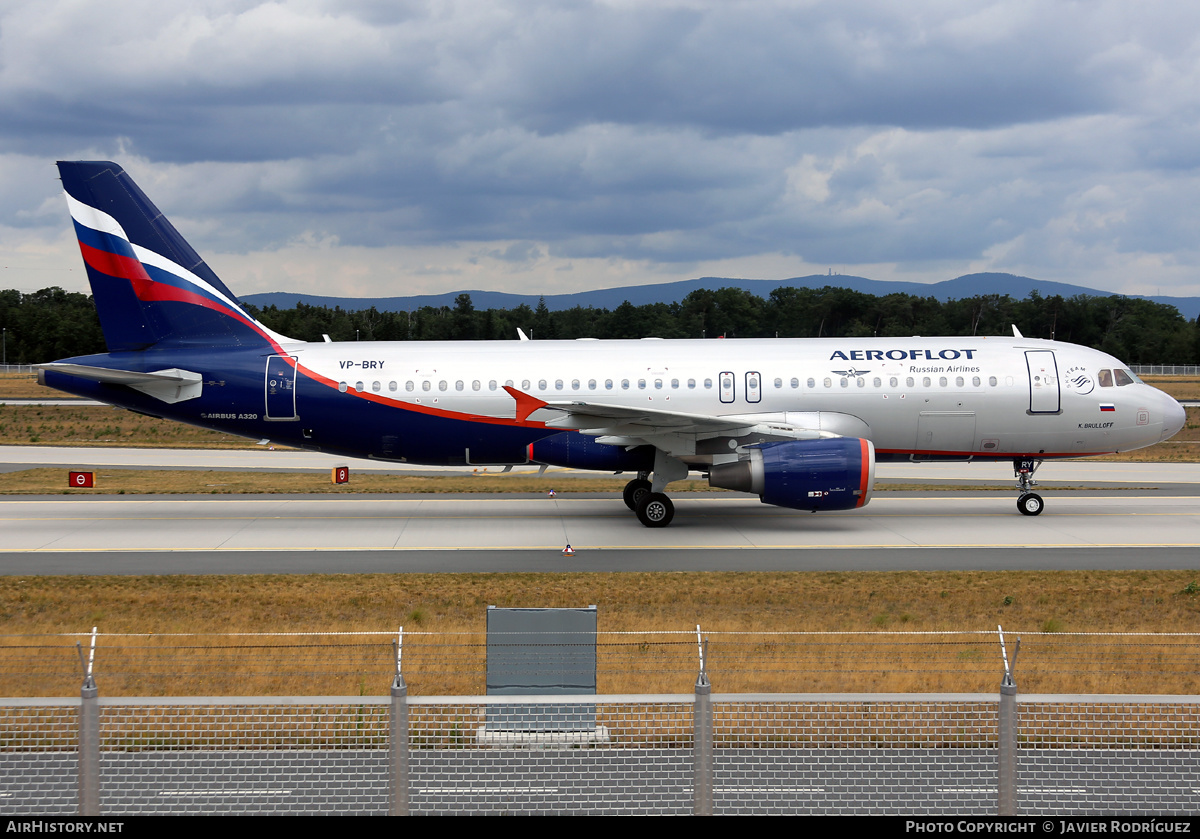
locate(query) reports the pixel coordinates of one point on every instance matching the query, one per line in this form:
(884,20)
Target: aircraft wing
(675,432)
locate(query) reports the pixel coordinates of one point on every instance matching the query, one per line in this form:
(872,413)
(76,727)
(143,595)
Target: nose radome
(1174,417)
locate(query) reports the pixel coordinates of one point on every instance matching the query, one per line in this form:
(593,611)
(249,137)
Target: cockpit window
(1123,377)
(1105,378)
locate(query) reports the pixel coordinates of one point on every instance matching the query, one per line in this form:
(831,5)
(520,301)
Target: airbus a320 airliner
(798,422)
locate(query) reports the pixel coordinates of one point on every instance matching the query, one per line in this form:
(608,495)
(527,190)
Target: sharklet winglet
(526,404)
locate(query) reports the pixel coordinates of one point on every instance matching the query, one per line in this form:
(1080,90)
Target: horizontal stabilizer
(170,386)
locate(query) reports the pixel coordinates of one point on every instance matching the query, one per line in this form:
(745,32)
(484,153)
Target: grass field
(746,614)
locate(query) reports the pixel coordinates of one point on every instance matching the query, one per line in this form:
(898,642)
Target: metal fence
(1165,369)
(698,752)
(670,754)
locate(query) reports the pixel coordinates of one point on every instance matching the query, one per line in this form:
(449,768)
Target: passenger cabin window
(427,385)
(796,383)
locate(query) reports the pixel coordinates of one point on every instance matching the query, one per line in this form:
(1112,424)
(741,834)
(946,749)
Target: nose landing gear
(1029,502)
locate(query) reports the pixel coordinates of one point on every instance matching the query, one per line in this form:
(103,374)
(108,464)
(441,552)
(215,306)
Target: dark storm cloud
(842,133)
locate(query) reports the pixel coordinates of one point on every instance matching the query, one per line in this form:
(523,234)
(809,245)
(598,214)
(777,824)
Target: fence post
(89,735)
(398,739)
(1006,782)
(702,739)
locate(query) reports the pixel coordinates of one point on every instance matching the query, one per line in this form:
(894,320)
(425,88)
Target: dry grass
(746,615)
(1181,387)
(109,481)
(25,386)
(83,425)
(49,480)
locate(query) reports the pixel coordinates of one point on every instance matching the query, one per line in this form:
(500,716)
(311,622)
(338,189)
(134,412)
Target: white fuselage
(970,397)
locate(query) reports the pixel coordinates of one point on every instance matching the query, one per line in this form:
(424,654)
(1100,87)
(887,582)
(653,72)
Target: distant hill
(969,285)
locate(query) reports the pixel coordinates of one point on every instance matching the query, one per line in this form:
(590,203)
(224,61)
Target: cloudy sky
(383,147)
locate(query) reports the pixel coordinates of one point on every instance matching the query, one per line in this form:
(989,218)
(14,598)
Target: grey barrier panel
(541,652)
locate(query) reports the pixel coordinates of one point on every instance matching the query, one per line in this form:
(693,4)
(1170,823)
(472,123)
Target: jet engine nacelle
(577,451)
(831,474)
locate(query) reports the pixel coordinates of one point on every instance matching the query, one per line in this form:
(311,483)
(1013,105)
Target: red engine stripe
(864,472)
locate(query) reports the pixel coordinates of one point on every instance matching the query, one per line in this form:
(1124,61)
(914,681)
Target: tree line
(52,323)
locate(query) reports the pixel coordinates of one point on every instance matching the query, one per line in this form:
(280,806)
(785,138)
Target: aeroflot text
(900,355)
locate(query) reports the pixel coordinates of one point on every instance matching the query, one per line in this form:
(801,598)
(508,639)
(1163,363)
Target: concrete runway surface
(299,534)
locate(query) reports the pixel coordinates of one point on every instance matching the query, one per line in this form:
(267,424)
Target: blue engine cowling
(577,451)
(833,474)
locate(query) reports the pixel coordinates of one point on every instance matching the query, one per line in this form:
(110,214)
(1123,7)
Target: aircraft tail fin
(149,286)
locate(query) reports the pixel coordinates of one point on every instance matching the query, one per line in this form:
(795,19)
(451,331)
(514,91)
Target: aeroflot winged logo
(901,355)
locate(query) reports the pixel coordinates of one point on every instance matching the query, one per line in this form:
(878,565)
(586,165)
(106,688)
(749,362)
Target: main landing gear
(653,509)
(646,498)
(1029,502)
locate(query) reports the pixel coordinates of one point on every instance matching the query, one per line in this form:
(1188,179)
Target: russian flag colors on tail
(150,286)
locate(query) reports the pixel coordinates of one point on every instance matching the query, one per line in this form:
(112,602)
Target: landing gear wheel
(634,490)
(1030,504)
(655,510)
